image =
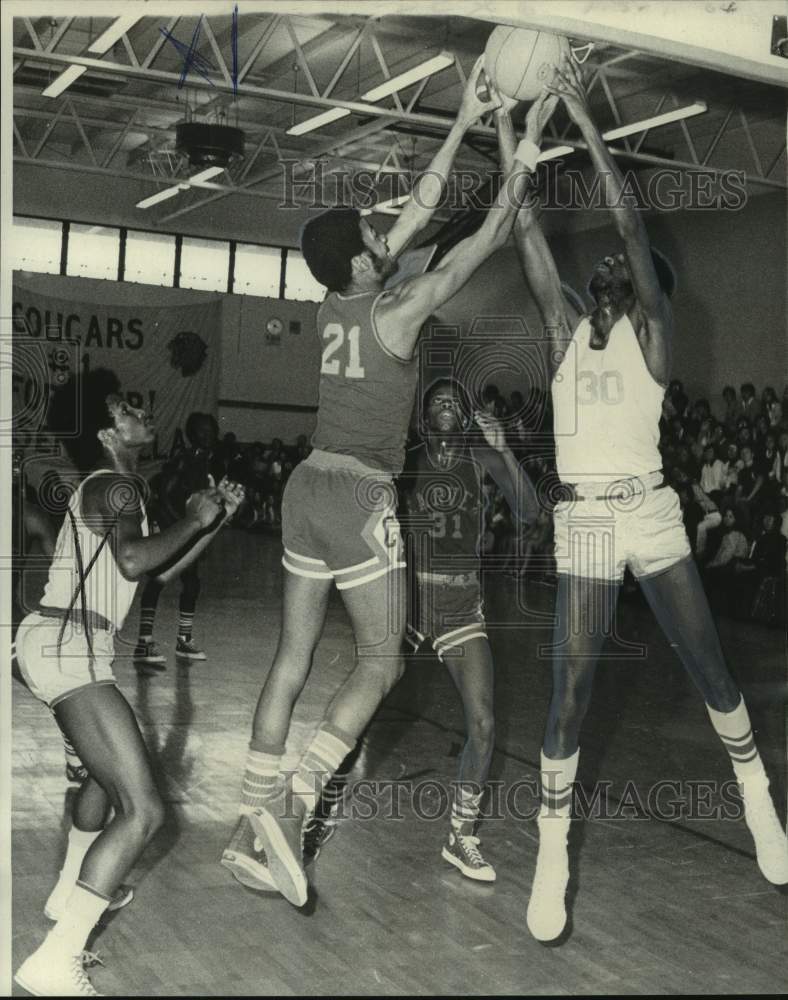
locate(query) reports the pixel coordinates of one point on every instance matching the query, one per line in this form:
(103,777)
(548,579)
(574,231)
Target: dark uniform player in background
(195,468)
(442,492)
(338,516)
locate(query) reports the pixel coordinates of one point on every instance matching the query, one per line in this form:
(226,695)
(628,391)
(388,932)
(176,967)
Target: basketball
(519,61)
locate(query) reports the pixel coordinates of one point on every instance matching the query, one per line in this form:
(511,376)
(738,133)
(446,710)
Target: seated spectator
(782,447)
(686,461)
(744,434)
(696,452)
(761,578)
(712,474)
(706,432)
(733,544)
(719,574)
(719,436)
(771,407)
(750,483)
(678,398)
(771,458)
(750,406)
(710,518)
(760,430)
(731,408)
(732,465)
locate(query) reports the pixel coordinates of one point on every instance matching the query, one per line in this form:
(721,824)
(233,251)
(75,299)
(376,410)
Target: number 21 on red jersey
(341,354)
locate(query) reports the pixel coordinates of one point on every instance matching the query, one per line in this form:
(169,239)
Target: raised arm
(656,324)
(402,312)
(536,259)
(501,463)
(428,189)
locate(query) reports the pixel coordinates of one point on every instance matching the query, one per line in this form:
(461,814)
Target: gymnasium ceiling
(118,119)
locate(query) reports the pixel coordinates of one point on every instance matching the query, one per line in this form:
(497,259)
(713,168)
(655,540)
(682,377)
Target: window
(36,245)
(93,252)
(205,264)
(299,283)
(257,270)
(150,258)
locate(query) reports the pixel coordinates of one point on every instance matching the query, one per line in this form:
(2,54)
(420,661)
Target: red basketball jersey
(366,392)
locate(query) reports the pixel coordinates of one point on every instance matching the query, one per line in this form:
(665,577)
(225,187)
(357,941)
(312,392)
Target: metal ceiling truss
(271,139)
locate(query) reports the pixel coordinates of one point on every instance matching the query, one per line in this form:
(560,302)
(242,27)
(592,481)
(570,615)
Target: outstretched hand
(491,428)
(473,106)
(508,104)
(232,495)
(567,83)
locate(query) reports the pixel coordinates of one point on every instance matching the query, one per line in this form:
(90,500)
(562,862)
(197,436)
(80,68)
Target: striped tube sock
(735,731)
(546,913)
(261,775)
(147,617)
(465,807)
(80,915)
(185,623)
(557,778)
(323,756)
(333,797)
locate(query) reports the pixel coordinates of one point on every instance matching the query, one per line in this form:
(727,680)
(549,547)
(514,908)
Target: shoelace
(469,846)
(81,980)
(90,958)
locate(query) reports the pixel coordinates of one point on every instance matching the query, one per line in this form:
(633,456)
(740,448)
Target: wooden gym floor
(656,906)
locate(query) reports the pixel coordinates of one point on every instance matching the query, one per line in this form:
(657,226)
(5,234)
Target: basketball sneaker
(771,844)
(279,824)
(54,906)
(146,651)
(245,858)
(546,916)
(47,973)
(462,851)
(186,650)
(317,834)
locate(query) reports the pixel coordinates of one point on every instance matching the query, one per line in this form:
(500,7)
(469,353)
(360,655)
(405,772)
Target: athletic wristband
(527,153)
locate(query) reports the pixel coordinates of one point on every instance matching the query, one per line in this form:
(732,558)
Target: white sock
(79,842)
(735,731)
(81,913)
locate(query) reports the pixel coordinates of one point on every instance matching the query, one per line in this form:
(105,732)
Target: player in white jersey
(609,378)
(65,652)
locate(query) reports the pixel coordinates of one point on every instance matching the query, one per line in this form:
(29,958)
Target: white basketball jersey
(107,592)
(606,408)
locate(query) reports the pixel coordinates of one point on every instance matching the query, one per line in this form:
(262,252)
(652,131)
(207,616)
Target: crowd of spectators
(730,470)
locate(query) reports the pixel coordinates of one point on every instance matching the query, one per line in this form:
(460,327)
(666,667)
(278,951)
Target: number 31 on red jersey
(341,355)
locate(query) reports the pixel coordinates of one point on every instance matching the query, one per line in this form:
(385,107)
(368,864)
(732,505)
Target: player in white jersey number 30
(609,378)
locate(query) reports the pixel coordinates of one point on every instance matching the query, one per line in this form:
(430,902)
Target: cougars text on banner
(166,357)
